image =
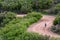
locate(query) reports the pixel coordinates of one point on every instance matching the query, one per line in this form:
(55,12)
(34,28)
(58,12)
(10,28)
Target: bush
(54,10)
(57,1)
(34,14)
(10,5)
(53,38)
(31,36)
(57,8)
(25,6)
(6,17)
(18,26)
(57,19)
(41,4)
(56,27)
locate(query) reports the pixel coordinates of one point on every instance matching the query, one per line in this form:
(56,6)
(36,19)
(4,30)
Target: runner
(45,25)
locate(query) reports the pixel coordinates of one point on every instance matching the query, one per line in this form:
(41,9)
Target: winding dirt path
(40,28)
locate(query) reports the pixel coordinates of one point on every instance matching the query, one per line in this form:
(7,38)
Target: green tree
(41,4)
(57,7)
(10,4)
(6,17)
(26,6)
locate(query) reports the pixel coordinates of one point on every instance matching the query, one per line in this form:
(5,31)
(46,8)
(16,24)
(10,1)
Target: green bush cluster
(57,8)
(57,1)
(18,26)
(53,38)
(54,9)
(25,6)
(56,27)
(6,17)
(31,36)
(57,19)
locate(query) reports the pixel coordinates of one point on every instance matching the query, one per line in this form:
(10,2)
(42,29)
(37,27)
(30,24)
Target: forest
(15,28)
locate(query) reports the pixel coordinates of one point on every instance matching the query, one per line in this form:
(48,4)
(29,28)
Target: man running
(45,25)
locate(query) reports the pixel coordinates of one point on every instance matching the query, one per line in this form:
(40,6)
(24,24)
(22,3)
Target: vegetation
(18,26)
(56,27)
(25,6)
(32,36)
(57,8)
(57,19)
(6,17)
(57,1)
(14,28)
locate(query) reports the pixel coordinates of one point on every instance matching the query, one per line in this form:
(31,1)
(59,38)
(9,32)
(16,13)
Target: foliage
(18,26)
(57,19)
(25,6)
(10,4)
(41,4)
(57,8)
(34,14)
(53,38)
(31,36)
(57,1)
(54,9)
(56,27)
(6,17)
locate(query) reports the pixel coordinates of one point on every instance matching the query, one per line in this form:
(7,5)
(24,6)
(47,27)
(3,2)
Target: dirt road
(21,15)
(39,27)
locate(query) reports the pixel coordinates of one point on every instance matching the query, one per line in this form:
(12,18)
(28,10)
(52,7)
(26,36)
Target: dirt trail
(40,28)
(21,15)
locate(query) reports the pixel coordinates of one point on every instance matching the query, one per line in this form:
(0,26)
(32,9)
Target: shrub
(31,36)
(6,17)
(41,4)
(34,14)
(56,8)
(18,26)
(57,19)
(10,4)
(57,1)
(25,6)
(56,27)
(53,38)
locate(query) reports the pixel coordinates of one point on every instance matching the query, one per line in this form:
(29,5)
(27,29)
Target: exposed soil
(21,15)
(40,28)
